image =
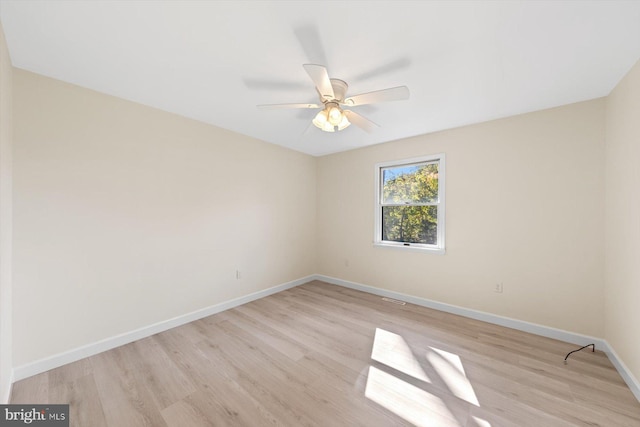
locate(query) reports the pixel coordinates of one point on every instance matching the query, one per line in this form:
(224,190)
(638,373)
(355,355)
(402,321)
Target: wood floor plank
(264,386)
(70,372)
(323,355)
(81,394)
(279,341)
(34,389)
(157,373)
(125,401)
(210,374)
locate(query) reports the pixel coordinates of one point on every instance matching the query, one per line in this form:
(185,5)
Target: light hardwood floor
(322,355)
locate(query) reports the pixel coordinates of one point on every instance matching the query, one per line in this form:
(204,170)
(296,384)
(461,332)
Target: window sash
(415,225)
(401,165)
(438,247)
(410,204)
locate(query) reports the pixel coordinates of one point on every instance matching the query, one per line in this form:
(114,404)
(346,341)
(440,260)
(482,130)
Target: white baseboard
(78,353)
(625,373)
(545,331)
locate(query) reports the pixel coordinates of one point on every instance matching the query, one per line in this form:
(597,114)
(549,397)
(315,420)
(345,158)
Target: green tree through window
(409,202)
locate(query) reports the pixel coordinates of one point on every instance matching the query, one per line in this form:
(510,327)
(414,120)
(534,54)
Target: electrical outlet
(346,262)
(238,275)
(499,288)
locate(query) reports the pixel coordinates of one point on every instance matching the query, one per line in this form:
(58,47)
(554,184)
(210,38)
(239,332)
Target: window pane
(410,224)
(410,184)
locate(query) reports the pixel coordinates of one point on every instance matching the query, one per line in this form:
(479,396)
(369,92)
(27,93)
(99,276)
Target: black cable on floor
(581,348)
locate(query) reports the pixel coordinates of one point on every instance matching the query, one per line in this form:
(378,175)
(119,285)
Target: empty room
(319,213)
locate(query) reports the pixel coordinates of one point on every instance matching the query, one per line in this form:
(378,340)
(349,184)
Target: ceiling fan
(332,94)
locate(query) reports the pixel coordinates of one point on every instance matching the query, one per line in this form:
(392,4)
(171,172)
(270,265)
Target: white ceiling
(464,62)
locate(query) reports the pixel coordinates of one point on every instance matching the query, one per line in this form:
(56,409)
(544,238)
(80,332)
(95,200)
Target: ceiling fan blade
(320,77)
(282,106)
(392,94)
(360,121)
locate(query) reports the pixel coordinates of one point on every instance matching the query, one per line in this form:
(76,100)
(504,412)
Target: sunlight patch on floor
(392,350)
(409,402)
(449,368)
(480,422)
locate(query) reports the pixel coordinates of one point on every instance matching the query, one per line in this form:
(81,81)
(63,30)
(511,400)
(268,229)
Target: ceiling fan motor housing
(339,90)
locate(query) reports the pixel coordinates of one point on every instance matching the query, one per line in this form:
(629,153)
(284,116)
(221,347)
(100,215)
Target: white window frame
(438,248)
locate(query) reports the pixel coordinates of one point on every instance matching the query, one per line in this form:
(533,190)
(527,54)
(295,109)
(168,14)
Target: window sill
(402,247)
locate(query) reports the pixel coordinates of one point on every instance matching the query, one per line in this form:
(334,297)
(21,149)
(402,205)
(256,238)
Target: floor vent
(395,301)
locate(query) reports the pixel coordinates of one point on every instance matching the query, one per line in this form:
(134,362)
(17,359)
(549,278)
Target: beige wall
(6,126)
(524,207)
(622,220)
(126,216)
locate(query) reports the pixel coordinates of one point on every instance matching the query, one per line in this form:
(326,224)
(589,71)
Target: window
(410,204)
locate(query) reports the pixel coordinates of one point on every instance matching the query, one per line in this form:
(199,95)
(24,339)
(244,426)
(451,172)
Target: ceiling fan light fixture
(335,116)
(330,118)
(344,123)
(328,127)
(320,119)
